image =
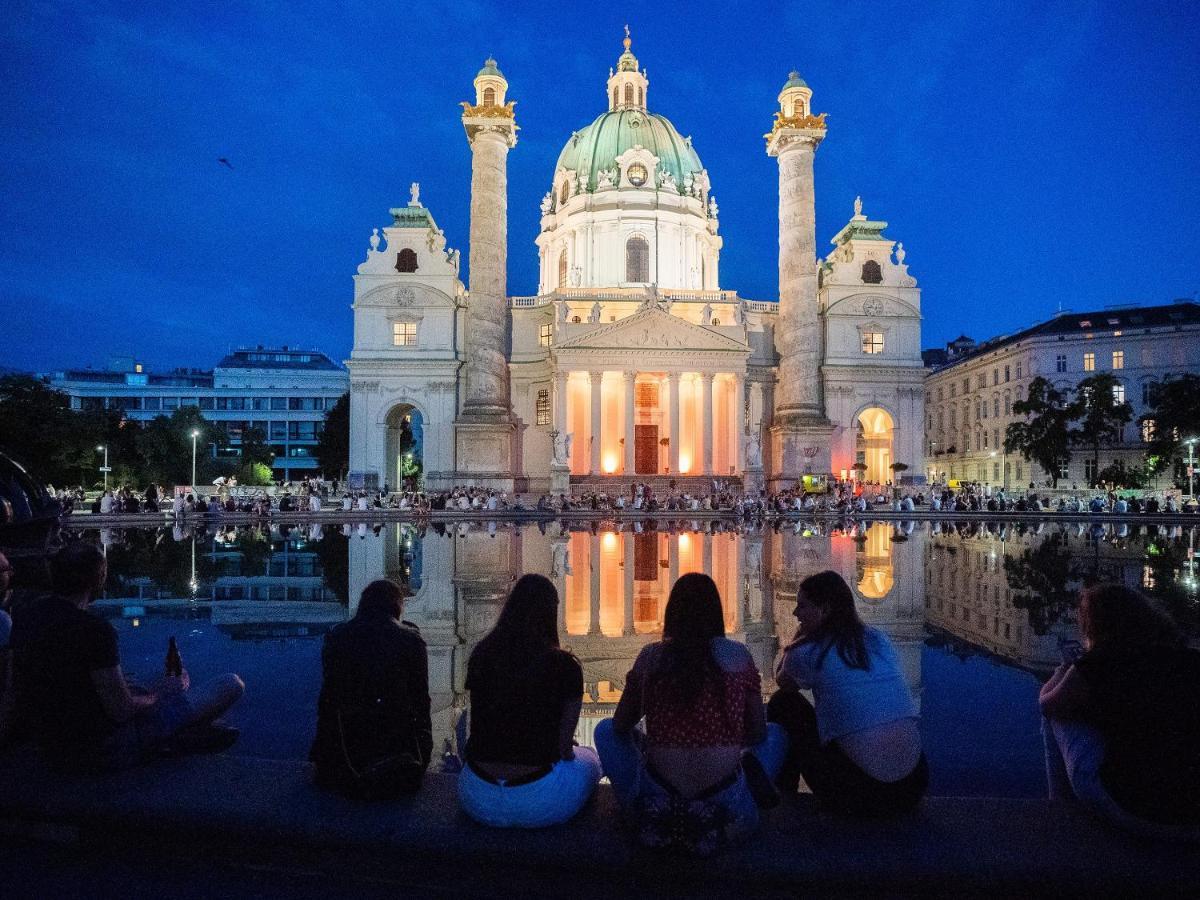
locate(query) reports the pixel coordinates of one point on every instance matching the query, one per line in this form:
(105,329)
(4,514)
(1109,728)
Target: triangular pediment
(654,329)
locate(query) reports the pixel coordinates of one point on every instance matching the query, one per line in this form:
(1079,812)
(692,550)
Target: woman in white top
(857,744)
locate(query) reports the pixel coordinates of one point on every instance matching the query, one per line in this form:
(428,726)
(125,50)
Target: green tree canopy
(1175,414)
(1098,414)
(1043,436)
(333,446)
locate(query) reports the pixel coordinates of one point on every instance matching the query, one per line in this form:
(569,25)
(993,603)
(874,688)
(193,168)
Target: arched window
(615,99)
(406,260)
(871,272)
(629,95)
(489,96)
(564,192)
(798,108)
(562,269)
(641,96)
(637,259)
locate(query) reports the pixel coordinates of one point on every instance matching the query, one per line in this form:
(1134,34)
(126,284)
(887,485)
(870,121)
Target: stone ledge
(268,810)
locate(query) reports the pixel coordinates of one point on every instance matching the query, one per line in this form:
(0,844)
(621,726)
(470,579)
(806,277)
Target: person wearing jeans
(1122,725)
(705,736)
(522,768)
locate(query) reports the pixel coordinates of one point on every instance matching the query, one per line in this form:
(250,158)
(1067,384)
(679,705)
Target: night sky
(1028,154)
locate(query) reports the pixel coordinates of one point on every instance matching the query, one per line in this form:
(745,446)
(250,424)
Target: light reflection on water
(976,611)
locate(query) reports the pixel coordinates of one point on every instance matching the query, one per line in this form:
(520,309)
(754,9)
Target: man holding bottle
(71,696)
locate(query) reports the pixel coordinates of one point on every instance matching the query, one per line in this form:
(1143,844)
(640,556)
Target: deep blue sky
(1026,153)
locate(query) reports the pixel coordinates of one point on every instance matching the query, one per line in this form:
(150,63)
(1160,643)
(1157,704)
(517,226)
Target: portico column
(706,401)
(594,381)
(627,626)
(560,403)
(673,383)
(739,423)
(706,557)
(594,586)
(630,380)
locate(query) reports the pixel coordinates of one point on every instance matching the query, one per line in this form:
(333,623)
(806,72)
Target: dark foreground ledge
(266,812)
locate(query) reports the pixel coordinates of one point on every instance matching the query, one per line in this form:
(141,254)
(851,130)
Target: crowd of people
(691,751)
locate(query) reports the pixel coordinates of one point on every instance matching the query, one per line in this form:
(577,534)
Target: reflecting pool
(977,611)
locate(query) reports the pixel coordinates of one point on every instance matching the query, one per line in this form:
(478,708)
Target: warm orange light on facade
(610,464)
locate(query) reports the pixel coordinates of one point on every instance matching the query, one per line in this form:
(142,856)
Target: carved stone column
(673,386)
(595,380)
(706,401)
(739,423)
(800,431)
(484,431)
(630,379)
(594,585)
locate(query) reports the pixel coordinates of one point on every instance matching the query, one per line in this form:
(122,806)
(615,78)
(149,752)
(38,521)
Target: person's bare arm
(566,727)
(119,703)
(1065,695)
(629,708)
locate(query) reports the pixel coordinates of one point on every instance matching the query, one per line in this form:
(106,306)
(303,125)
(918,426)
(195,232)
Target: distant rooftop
(1065,322)
(278,358)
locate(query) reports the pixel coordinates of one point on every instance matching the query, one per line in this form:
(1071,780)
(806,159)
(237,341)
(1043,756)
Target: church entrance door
(645,450)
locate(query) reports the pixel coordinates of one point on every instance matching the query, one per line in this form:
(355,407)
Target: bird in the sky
(223,161)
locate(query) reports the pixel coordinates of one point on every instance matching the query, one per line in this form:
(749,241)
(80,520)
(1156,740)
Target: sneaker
(764,793)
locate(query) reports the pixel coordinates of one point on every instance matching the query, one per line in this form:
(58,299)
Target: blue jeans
(551,800)
(623,762)
(1074,753)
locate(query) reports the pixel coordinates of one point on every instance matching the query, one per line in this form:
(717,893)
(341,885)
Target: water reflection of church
(615,584)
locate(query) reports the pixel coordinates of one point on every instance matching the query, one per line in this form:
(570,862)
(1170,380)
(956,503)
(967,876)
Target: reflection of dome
(597,146)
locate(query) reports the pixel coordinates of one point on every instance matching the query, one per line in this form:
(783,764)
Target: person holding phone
(1122,720)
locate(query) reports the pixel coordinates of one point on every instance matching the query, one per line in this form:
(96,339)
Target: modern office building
(971,388)
(283,391)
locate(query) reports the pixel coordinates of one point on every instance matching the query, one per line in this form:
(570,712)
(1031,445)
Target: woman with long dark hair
(700,695)
(857,744)
(523,770)
(1122,724)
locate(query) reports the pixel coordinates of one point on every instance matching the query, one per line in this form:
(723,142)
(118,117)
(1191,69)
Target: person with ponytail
(857,744)
(523,769)
(690,779)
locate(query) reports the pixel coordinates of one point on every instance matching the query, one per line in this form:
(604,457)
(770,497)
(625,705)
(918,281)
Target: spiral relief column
(484,431)
(800,433)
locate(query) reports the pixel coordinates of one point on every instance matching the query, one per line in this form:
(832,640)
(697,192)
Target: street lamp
(1191,444)
(105,469)
(195,434)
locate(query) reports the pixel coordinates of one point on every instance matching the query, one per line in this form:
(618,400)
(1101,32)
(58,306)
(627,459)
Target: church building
(633,361)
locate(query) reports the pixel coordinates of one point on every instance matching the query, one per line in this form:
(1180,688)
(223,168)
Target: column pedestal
(799,449)
(484,453)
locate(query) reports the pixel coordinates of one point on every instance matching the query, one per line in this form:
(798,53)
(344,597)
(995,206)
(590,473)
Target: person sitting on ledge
(374,734)
(858,750)
(523,770)
(1122,723)
(71,696)
(690,781)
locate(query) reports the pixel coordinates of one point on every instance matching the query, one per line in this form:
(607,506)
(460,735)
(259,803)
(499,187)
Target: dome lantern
(627,86)
(795,98)
(490,85)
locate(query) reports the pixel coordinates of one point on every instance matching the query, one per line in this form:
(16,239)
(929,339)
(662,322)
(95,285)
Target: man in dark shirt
(70,694)
(374,734)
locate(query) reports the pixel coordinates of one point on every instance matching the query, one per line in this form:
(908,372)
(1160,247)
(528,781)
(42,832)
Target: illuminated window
(543,406)
(637,259)
(1089,362)
(406,260)
(1118,359)
(404,334)
(1148,430)
(872,342)
(545,335)
(1118,393)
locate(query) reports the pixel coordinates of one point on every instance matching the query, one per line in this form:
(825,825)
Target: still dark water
(977,611)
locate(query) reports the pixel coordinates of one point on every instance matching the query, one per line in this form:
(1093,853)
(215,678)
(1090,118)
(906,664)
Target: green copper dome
(794,80)
(489,68)
(596,147)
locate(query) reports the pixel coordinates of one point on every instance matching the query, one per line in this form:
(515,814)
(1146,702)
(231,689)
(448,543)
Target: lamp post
(195,434)
(104,468)
(1191,444)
